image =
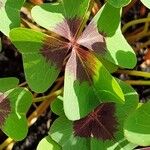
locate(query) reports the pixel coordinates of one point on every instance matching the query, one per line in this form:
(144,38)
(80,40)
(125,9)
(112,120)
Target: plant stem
(138,82)
(5,143)
(134,22)
(84,20)
(54,94)
(135,73)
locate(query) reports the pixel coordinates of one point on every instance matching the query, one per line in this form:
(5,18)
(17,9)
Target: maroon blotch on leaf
(54,50)
(100,123)
(78,50)
(5,108)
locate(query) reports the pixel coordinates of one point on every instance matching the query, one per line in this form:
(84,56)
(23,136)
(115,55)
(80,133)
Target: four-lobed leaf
(43,66)
(77,49)
(100,129)
(10,15)
(14,104)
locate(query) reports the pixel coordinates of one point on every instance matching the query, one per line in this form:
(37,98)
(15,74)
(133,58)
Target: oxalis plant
(95,109)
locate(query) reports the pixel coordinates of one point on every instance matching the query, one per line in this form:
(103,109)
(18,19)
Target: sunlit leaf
(118,50)
(43,57)
(146,3)
(137,126)
(10,15)
(76,135)
(14,104)
(85,78)
(48,144)
(54,14)
(72,135)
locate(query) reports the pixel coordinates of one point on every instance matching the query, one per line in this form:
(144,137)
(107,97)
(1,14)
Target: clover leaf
(14,104)
(119,52)
(146,3)
(48,143)
(10,15)
(137,126)
(44,55)
(118,3)
(100,129)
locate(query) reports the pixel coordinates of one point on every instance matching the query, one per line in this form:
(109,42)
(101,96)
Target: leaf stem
(138,82)
(135,73)
(5,143)
(134,22)
(54,94)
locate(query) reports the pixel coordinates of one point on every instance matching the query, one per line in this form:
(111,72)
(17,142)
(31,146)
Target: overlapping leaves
(14,104)
(9,15)
(100,129)
(44,55)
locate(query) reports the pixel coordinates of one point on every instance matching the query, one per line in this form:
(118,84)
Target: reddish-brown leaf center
(5,108)
(100,123)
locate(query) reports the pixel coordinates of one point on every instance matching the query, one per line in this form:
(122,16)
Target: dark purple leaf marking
(68,28)
(54,50)
(5,108)
(92,39)
(81,64)
(100,124)
(77,50)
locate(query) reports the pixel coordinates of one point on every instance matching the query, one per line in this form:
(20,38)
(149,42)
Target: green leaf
(118,3)
(137,126)
(146,3)
(86,79)
(10,15)
(15,123)
(118,51)
(37,69)
(131,96)
(51,15)
(62,130)
(8,83)
(57,106)
(48,144)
